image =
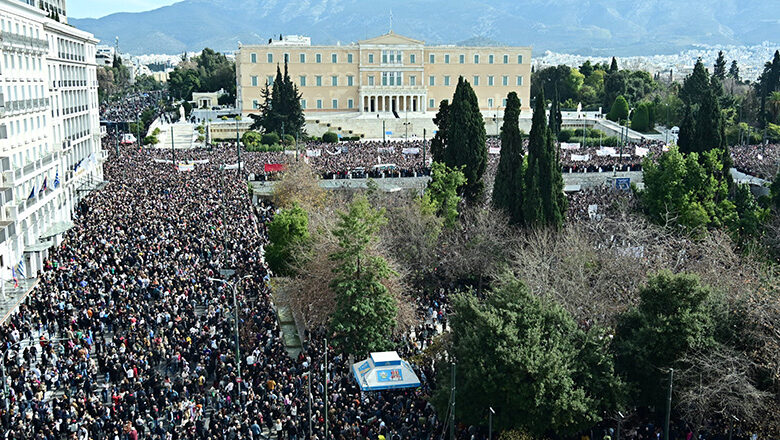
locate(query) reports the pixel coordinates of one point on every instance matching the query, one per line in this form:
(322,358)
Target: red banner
(274,167)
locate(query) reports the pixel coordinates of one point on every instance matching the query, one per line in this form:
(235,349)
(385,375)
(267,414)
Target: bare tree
(299,184)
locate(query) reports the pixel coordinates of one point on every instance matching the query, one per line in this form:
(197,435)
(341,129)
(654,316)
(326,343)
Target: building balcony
(393,90)
(22,42)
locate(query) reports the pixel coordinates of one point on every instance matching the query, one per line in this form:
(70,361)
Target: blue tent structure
(384,371)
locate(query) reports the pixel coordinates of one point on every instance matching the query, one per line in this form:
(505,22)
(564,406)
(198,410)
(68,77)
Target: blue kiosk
(384,371)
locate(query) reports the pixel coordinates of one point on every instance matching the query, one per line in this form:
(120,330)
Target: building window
(255,104)
(412,58)
(519,59)
(431,103)
(334,80)
(504,80)
(371,80)
(490,102)
(350,80)
(462,59)
(334,58)
(431,80)
(335,104)
(318,78)
(349,58)
(447,80)
(476,80)
(431,59)
(504,104)
(490,80)
(287,58)
(476,58)
(303,104)
(446,58)
(270,58)
(269,80)
(254,81)
(303,80)
(350,104)
(412,80)
(370,58)
(253,58)
(318,58)
(319,103)
(303,58)
(519,80)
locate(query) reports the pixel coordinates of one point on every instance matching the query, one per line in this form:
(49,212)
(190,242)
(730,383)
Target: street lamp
(234,286)
(490,423)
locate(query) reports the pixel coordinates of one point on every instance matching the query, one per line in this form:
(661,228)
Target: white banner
(290,152)
(641,151)
(385,150)
(186,167)
(411,151)
(200,162)
(494,150)
(314,153)
(606,151)
(230,167)
(163,161)
(570,145)
(580,157)
(338,151)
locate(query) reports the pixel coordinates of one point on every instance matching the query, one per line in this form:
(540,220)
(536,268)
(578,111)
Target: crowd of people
(130,107)
(129,335)
(757,160)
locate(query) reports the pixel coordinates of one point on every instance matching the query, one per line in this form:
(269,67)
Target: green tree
(442,192)
(251,139)
(544,201)
(365,314)
(619,111)
(466,139)
(439,141)
(670,320)
(719,69)
(687,190)
(281,111)
(640,120)
(702,128)
(182,82)
(289,228)
(528,360)
(508,186)
(586,68)
(734,71)
(613,66)
(556,119)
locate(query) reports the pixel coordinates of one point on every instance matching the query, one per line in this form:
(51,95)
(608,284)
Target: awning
(384,371)
(56,229)
(38,247)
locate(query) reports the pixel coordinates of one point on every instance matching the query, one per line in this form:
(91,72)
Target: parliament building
(387,74)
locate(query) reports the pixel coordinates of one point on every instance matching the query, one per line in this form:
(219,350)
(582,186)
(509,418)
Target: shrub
(269,139)
(330,137)
(251,139)
(565,135)
(288,140)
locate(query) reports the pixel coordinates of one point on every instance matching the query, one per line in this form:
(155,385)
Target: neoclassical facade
(387,74)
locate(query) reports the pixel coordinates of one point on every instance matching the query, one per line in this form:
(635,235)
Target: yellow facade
(384,74)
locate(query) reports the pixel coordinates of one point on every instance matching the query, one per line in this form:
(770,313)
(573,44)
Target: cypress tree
(719,69)
(439,141)
(294,118)
(734,71)
(544,201)
(702,128)
(508,186)
(613,67)
(466,139)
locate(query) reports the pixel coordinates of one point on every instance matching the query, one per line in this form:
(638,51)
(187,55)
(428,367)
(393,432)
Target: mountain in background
(588,27)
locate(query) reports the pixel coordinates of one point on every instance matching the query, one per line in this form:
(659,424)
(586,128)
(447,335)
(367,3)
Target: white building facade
(50,153)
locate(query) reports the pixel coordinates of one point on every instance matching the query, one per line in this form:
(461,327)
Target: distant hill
(588,27)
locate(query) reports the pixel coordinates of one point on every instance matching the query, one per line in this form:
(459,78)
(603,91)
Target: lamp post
(490,423)
(668,404)
(234,287)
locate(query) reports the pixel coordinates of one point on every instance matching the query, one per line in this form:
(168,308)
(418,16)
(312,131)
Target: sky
(100,8)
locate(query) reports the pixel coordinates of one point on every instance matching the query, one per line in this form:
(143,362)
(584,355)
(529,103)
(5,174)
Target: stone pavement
(13,296)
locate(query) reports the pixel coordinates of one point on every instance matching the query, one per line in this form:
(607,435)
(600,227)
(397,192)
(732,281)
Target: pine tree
(466,139)
(544,201)
(294,118)
(613,67)
(508,186)
(719,69)
(439,141)
(702,128)
(734,71)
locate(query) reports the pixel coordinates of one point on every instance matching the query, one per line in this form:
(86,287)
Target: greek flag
(32,193)
(20,268)
(57,179)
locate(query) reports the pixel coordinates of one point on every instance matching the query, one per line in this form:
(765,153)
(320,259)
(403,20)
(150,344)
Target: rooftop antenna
(391,20)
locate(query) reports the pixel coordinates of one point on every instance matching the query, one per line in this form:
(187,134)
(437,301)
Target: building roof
(391,38)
